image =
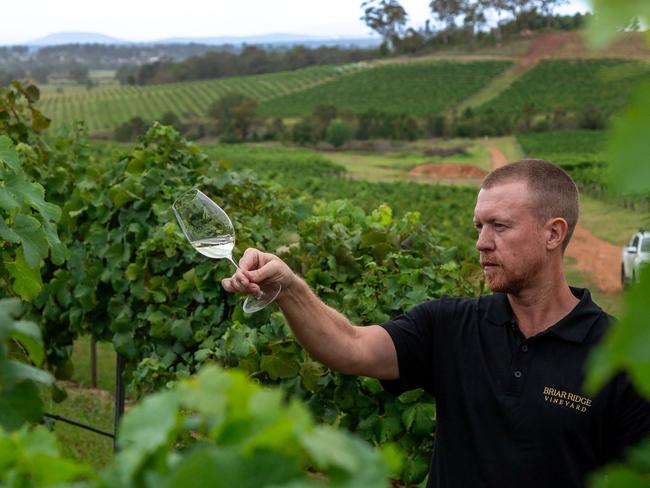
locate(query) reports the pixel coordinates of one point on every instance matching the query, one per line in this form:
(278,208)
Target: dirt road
(595,257)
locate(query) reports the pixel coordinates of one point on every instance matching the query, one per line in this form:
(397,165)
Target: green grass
(105,364)
(416,88)
(394,163)
(572,86)
(90,407)
(93,407)
(611,222)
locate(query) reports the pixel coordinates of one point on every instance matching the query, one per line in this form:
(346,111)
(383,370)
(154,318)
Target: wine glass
(210,232)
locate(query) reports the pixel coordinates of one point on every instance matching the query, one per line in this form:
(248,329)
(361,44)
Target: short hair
(553,191)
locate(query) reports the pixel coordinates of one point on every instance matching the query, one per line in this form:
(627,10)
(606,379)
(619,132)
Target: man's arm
(325,333)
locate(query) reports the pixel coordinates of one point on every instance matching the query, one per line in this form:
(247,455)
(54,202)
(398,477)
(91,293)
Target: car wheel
(624,282)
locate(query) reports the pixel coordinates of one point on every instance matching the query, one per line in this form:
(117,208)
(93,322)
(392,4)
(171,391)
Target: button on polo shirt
(511,410)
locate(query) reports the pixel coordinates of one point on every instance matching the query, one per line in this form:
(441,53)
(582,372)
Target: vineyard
(417,88)
(104,108)
(570,86)
(90,249)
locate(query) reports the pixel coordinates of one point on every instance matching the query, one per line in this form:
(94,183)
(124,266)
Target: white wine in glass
(210,231)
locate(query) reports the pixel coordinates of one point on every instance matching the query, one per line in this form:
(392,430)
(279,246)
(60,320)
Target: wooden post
(119,396)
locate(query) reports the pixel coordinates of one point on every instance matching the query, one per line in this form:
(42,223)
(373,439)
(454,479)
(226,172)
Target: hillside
(556,70)
(416,88)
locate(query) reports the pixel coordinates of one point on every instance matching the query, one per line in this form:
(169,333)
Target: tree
(235,115)
(387,18)
(78,72)
(338,133)
(446,12)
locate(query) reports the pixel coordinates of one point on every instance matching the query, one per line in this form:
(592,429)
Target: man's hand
(256,267)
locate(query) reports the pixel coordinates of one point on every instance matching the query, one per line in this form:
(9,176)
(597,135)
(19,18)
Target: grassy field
(417,88)
(394,163)
(611,222)
(572,86)
(93,407)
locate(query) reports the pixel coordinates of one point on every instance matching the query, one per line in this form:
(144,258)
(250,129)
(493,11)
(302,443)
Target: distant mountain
(61,38)
(274,39)
(76,38)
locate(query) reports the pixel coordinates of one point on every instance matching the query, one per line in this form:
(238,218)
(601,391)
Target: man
(506,369)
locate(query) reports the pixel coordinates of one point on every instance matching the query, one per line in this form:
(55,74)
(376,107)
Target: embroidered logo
(566,399)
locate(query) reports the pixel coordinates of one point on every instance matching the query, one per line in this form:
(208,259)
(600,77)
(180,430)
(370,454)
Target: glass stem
(233,261)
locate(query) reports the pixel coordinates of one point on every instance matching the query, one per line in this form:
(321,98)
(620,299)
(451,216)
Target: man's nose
(485,241)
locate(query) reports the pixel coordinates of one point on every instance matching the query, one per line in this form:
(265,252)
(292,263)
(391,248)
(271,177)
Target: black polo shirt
(511,411)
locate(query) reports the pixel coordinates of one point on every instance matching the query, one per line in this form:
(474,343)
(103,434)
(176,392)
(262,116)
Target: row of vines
(104,108)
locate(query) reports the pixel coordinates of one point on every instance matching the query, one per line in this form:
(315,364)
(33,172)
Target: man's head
(525,213)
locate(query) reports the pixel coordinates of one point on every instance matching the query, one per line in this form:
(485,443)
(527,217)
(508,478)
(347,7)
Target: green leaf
(29,335)
(619,477)
(329,448)
(222,468)
(9,309)
(39,121)
(280,365)
(627,343)
(630,144)
(32,93)
(32,237)
(419,418)
(311,372)
(32,194)
(8,153)
(27,280)
(22,403)
(182,329)
(6,233)
(133,271)
(12,372)
(611,16)
(57,248)
(150,424)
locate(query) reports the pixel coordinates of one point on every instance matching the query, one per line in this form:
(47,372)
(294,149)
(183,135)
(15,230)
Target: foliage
(216,429)
(416,88)
(387,18)
(27,221)
(626,346)
(445,210)
(375,124)
(130,130)
(19,339)
(250,60)
(132,278)
(235,115)
(572,86)
(338,132)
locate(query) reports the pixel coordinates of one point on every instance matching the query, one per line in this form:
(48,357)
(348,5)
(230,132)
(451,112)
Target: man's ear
(556,232)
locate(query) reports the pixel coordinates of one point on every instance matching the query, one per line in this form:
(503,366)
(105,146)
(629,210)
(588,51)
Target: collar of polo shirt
(574,327)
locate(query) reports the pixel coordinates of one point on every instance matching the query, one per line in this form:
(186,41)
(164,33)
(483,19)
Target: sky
(148,20)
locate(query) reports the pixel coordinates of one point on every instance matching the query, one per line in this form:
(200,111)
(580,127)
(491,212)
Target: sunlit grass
(611,222)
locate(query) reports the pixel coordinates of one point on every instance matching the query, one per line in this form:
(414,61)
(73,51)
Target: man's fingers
(239,282)
(250,260)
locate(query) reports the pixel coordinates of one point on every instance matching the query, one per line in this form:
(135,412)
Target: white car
(635,255)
